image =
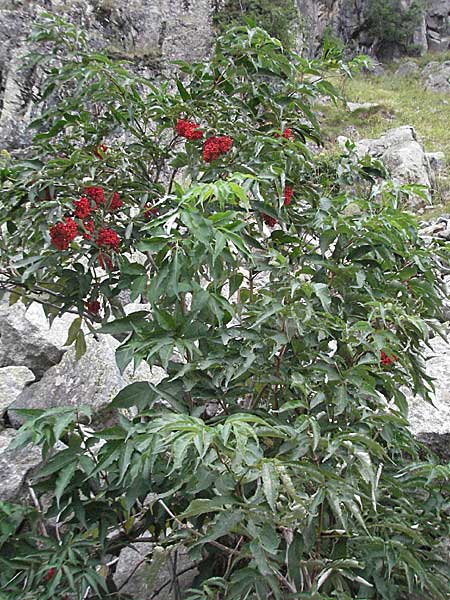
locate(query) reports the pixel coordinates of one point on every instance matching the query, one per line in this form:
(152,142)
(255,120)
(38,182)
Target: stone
(363,107)
(430,68)
(142,579)
(93,380)
(431,422)
(439,79)
(437,161)
(407,69)
(402,155)
(26,341)
(15,466)
(12,382)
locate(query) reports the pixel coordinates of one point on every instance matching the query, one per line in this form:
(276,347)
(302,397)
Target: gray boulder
(438,80)
(93,380)
(141,578)
(431,422)
(437,161)
(12,382)
(407,69)
(402,154)
(15,466)
(26,341)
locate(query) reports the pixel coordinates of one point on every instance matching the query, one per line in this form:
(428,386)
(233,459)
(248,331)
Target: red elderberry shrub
(96,194)
(88,229)
(188,129)
(100,151)
(150,212)
(104,261)
(93,306)
(82,207)
(215,146)
(387,360)
(50,574)
(288,193)
(108,238)
(62,234)
(268,220)
(116,202)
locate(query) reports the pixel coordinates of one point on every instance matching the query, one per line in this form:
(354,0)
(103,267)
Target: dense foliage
(280,18)
(287,296)
(391,25)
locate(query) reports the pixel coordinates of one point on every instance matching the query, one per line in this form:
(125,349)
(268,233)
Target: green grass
(403,101)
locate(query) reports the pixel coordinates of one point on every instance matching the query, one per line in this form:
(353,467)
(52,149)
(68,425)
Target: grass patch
(403,101)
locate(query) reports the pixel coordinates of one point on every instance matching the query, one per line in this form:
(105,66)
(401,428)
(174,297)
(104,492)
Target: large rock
(27,340)
(12,382)
(438,79)
(15,466)
(407,69)
(93,380)
(402,154)
(137,577)
(431,422)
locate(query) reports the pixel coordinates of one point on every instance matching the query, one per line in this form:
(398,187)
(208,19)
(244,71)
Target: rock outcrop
(27,340)
(403,156)
(431,422)
(347,20)
(150,34)
(94,380)
(15,465)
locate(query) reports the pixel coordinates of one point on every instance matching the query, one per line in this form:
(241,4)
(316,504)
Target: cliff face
(346,18)
(148,32)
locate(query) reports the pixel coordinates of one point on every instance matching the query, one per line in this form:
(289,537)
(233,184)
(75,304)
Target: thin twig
(39,509)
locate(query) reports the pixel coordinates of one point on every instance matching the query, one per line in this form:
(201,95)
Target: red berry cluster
(288,135)
(188,129)
(108,238)
(387,360)
(288,193)
(93,199)
(215,146)
(268,220)
(93,306)
(62,234)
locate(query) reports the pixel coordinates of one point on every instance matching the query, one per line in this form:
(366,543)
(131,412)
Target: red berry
(96,194)
(100,151)
(150,212)
(288,193)
(268,220)
(116,202)
(50,574)
(387,360)
(93,306)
